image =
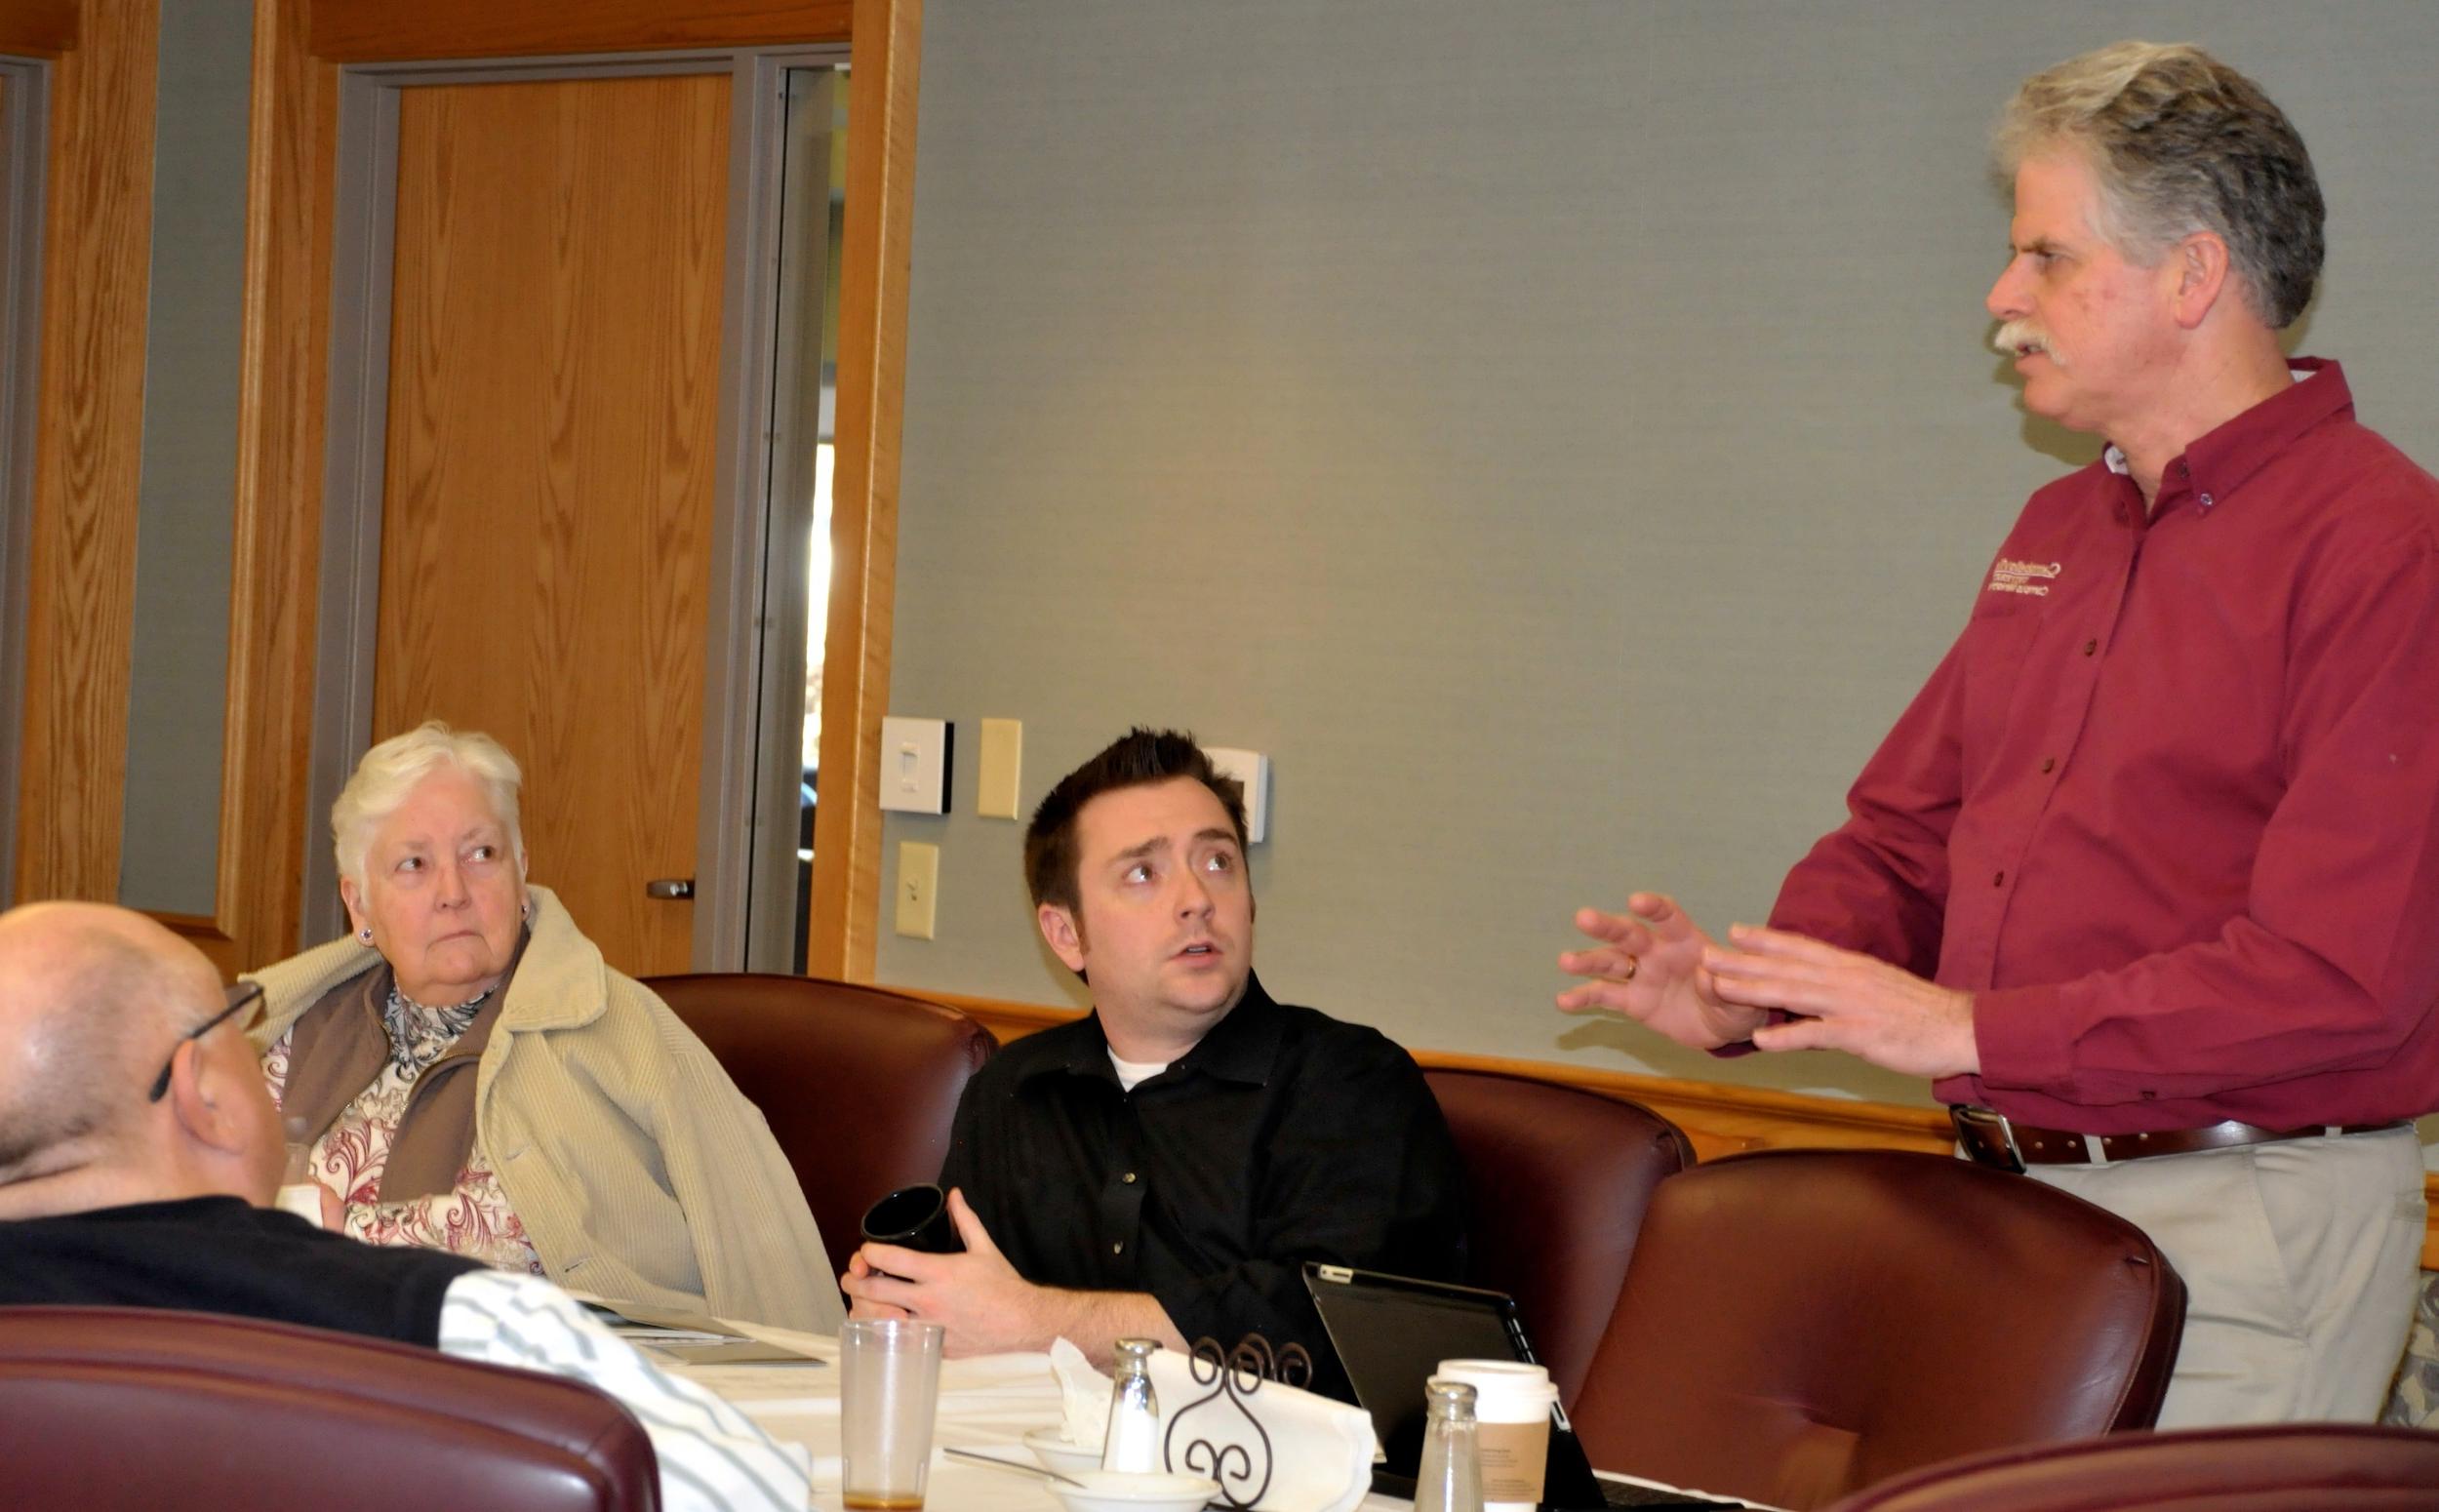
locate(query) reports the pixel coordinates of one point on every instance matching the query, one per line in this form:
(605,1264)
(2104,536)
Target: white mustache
(2020,333)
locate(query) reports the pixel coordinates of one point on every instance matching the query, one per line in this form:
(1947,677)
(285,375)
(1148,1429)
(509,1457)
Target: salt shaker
(1450,1478)
(1134,1439)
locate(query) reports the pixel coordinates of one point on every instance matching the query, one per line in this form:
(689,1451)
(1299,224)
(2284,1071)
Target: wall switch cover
(997,766)
(1253,768)
(918,888)
(914,763)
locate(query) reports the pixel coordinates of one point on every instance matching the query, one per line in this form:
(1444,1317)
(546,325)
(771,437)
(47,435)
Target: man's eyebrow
(1137,852)
(1217,833)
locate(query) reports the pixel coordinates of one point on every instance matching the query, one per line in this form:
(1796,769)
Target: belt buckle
(1975,1124)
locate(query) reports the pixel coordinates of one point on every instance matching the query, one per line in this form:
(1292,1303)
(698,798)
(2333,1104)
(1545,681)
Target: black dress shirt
(1283,1137)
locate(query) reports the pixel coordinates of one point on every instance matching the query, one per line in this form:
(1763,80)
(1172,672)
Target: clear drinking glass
(1451,1477)
(888,1388)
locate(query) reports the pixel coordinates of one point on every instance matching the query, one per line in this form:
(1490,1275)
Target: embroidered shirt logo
(2026,577)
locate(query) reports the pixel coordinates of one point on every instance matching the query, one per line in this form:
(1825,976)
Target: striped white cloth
(713,1457)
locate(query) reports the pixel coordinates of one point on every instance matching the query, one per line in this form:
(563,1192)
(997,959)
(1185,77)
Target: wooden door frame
(269,829)
(25,139)
(734,592)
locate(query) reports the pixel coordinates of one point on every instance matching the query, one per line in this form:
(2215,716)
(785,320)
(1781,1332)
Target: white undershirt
(1129,1072)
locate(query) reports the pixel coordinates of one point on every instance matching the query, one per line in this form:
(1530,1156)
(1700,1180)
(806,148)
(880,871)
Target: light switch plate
(918,888)
(996,768)
(914,764)
(1252,768)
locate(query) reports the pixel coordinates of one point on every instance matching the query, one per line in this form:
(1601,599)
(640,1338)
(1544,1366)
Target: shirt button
(2048,764)
(1128,1178)
(1999,881)
(1119,1248)
(2089,647)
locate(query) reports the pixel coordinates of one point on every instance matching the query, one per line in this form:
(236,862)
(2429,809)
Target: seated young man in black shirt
(1164,1167)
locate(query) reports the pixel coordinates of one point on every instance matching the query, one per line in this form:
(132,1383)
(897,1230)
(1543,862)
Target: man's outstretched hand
(1649,966)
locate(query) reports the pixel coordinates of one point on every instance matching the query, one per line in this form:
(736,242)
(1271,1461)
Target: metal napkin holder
(1219,1448)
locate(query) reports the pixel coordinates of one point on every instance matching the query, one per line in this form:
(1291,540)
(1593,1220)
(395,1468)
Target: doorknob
(669,887)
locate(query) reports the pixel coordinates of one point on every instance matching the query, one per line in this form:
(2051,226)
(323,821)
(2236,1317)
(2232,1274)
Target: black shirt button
(2089,647)
(2048,764)
(1999,881)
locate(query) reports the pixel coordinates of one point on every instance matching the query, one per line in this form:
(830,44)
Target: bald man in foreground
(138,1147)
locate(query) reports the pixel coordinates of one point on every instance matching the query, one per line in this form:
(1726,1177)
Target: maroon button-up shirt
(2169,805)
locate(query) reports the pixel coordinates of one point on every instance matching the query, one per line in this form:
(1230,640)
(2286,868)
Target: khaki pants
(2302,1262)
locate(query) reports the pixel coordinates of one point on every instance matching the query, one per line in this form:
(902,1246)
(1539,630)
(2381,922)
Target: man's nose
(1193,893)
(2006,300)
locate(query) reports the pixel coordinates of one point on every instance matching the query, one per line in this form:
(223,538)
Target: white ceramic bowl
(1115,1491)
(1058,1452)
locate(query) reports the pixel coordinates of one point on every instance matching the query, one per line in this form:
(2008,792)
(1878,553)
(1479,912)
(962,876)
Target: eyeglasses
(241,996)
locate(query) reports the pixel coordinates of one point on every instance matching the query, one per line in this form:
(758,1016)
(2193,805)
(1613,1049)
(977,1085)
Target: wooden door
(546,517)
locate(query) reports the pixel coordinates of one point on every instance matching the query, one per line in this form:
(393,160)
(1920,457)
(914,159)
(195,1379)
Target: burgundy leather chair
(859,1085)
(1556,1180)
(2285,1467)
(1799,1323)
(105,1408)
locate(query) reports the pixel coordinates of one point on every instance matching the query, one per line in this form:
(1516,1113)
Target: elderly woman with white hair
(467,1073)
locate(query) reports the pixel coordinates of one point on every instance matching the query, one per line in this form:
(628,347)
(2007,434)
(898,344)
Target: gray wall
(187,491)
(1561,433)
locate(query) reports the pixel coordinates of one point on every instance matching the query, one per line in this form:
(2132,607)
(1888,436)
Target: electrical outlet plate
(996,767)
(918,888)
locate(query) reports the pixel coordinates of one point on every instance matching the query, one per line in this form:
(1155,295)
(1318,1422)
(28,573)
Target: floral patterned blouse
(473,1219)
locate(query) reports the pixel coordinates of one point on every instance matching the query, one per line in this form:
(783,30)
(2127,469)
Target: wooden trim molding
(283,366)
(359,31)
(845,912)
(39,28)
(81,561)
(1719,1117)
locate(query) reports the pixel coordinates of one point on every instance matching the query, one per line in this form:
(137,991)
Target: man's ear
(1060,932)
(204,1096)
(2202,272)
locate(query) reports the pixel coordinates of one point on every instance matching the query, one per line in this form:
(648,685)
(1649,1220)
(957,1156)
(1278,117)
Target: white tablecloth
(986,1404)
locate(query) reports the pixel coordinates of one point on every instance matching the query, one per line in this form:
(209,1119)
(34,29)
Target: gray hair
(2181,143)
(390,771)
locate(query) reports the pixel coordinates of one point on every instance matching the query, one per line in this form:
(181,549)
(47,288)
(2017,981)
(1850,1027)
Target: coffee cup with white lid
(1512,1405)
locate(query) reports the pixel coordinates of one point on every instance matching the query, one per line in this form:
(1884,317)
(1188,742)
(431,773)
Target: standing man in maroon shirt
(2146,879)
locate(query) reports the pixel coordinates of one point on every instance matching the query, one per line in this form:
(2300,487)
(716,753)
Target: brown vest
(338,1045)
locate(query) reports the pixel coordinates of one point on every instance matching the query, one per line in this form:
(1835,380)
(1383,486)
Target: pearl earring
(365,934)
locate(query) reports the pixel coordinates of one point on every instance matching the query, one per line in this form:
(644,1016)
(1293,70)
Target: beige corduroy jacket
(639,1170)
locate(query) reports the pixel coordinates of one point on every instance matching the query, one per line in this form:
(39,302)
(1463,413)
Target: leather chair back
(1556,1182)
(1799,1323)
(105,1408)
(859,1085)
(2283,1467)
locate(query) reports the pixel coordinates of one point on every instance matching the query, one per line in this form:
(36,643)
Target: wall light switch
(918,888)
(914,763)
(1253,768)
(1001,758)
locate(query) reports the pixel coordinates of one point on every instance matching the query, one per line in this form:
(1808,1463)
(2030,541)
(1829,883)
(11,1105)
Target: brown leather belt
(1992,1138)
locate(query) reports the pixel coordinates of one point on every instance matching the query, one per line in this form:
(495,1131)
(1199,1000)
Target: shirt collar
(1242,1047)
(2218,462)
